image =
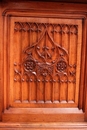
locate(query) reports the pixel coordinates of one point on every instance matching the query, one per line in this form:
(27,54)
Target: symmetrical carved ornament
(49,59)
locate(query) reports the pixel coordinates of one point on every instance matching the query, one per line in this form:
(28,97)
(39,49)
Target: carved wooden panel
(45,56)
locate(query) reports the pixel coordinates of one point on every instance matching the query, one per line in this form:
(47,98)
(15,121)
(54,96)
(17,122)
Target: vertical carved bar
(44,90)
(60,85)
(29,90)
(37,90)
(70,89)
(53,86)
(29,84)
(21,30)
(76,46)
(56,85)
(77,69)
(45,44)
(53,92)
(38,80)
(76,42)
(8,33)
(67,96)
(67,32)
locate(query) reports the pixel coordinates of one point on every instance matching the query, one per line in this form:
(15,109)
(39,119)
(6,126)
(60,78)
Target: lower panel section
(43,115)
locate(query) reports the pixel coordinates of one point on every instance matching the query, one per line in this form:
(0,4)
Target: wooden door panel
(45,57)
(43,63)
(44,69)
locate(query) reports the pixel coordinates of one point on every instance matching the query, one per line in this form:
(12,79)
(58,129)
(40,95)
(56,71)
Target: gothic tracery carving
(44,60)
(47,65)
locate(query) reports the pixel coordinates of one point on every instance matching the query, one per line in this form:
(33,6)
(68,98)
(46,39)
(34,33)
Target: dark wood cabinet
(43,64)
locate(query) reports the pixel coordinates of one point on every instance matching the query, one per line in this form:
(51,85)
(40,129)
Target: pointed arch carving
(45,57)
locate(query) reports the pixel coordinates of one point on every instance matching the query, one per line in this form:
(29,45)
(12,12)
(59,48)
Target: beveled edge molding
(42,13)
(44,126)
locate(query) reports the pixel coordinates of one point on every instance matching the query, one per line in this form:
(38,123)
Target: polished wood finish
(43,115)
(43,63)
(43,126)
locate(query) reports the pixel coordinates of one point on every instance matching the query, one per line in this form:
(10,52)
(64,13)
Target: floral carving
(61,65)
(44,56)
(29,65)
(45,69)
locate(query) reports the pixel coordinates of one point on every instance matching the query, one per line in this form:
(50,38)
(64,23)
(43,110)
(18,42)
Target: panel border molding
(43,126)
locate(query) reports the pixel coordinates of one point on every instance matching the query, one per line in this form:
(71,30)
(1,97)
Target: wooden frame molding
(43,126)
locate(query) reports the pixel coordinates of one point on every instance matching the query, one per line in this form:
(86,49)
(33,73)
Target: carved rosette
(61,65)
(29,65)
